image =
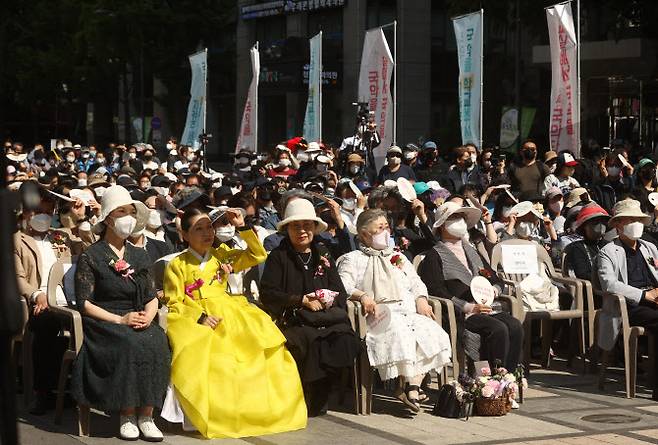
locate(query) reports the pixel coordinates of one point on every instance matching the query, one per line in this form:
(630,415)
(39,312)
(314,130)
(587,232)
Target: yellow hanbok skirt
(238,380)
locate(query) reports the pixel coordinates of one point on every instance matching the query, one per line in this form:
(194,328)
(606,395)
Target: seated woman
(124,361)
(301,287)
(231,371)
(386,282)
(447,271)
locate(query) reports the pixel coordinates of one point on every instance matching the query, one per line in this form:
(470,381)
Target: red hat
(589,212)
(295,142)
(566,158)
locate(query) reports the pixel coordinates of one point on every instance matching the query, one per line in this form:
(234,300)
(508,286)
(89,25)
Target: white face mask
(100,161)
(124,226)
(173,151)
(190,157)
(633,230)
(524,229)
(82,183)
(349,203)
(40,222)
(613,171)
(132,156)
(474,158)
(409,155)
(155,220)
(285,162)
(394,161)
(225,233)
(302,156)
(457,227)
(380,241)
(354,169)
(70,159)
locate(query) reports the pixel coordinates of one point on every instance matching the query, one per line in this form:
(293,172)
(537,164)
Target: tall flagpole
(256,102)
(320,87)
(578,69)
(482,72)
(395,81)
(205,93)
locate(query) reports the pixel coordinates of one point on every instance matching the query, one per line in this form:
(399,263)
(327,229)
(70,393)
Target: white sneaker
(150,432)
(515,404)
(128,428)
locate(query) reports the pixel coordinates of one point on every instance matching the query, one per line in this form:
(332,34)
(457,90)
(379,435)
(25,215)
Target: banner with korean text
(375,87)
(468,35)
(248,136)
(196,110)
(564,126)
(313,117)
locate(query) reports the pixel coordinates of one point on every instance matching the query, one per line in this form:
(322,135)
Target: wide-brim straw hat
(301,209)
(115,197)
(628,208)
(446,210)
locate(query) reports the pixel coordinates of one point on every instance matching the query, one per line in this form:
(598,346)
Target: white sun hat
(301,210)
(115,197)
(447,209)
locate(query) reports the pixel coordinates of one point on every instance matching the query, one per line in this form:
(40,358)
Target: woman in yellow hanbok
(231,371)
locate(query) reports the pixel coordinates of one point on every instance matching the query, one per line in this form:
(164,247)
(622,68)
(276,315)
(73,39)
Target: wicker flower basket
(493,407)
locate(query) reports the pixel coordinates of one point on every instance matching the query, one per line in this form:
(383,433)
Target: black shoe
(654,396)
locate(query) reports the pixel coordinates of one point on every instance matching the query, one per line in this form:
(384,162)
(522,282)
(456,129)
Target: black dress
(317,351)
(118,367)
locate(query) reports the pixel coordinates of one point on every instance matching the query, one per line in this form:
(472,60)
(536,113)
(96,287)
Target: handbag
(322,319)
(448,405)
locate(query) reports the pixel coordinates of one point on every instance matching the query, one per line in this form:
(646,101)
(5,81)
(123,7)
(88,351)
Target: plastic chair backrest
(497,259)
(61,280)
(417,260)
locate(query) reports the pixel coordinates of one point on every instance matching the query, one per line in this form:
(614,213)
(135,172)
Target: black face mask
(148,158)
(468,163)
(528,155)
(647,174)
(251,220)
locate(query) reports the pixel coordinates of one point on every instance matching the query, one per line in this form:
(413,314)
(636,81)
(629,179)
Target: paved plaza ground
(561,407)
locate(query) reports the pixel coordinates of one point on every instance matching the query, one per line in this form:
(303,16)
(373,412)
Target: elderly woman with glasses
(404,341)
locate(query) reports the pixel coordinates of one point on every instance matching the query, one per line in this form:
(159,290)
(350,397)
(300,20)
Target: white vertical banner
(248,136)
(313,117)
(564,126)
(469,35)
(196,110)
(375,87)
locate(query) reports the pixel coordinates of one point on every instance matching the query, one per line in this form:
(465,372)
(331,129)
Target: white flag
(375,87)
(248,136)
(313,117)
(564,123)
(196,110)
(468,35)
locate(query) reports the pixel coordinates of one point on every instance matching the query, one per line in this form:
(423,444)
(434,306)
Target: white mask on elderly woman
(457,227)
(40,222)
(380,241)
(225,233)
(524,229)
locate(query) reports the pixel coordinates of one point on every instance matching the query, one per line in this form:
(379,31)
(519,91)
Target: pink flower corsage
(122,267)
(195,285)
(324,264)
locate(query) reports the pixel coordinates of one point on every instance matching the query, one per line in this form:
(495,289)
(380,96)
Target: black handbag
(322,319)
(448,405)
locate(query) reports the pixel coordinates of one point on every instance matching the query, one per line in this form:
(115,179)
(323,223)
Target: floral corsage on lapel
(323,265)
(223,271)
(486,273)
(190,288)
(58,239)
(397,261)
(123,268)
(653,262)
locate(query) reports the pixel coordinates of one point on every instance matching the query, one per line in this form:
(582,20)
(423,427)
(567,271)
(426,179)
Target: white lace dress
(412,344)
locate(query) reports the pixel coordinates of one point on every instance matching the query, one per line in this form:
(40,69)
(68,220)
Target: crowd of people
(316,226)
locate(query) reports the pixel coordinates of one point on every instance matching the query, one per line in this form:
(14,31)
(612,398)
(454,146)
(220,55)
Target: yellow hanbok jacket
(238,380)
